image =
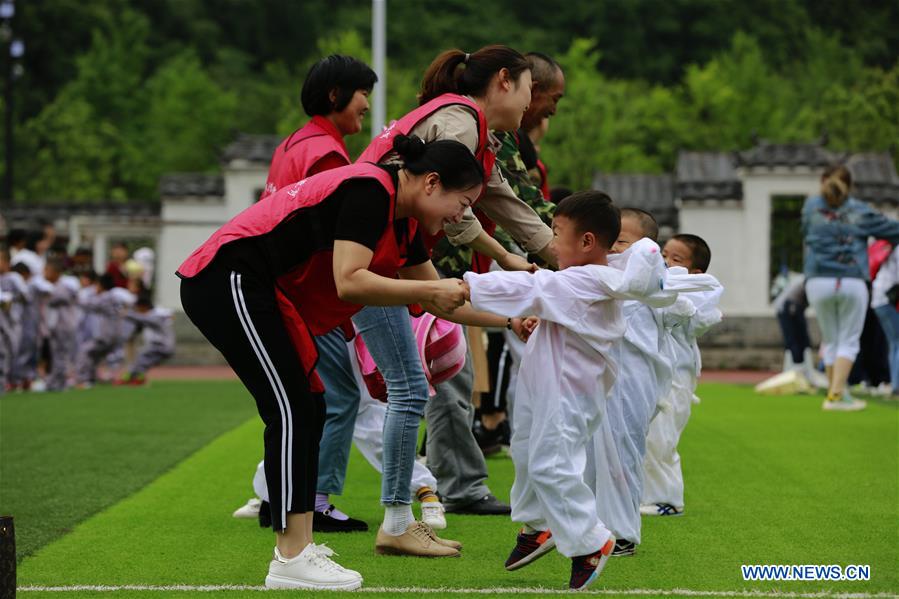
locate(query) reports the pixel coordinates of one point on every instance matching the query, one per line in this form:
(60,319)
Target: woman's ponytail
(455,72)
(835,184)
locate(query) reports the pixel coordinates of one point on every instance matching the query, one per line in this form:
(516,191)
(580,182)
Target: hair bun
(409,147)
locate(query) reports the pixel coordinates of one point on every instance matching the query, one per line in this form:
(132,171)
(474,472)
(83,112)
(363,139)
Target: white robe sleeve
(559,297)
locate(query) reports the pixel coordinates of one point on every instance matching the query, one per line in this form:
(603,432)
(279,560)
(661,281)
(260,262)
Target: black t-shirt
(358,211)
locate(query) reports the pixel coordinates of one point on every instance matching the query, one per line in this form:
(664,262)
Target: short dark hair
(144,299)
(702,255)
(648,225)
(544,69)
(557,194)
(343,73)
(32,238)
(593,212)
(21,268)
(16,236)
(106,281)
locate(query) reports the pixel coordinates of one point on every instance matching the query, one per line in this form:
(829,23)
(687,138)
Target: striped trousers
(238,313)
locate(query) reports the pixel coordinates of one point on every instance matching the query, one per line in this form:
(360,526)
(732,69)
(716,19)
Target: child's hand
(523,327)
(512,261)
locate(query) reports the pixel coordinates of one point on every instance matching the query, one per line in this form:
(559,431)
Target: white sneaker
(845,404)
(249,510)
(660,509)
(311,569)
(432,514)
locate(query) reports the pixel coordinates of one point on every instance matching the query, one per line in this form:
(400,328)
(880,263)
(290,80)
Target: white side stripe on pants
(277,388)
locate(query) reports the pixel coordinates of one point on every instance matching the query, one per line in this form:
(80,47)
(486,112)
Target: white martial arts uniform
(566,373)
(615,453)
(692,315)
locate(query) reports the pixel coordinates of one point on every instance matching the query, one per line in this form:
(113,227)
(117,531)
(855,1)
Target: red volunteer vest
(294,157)
(307,295)
(382,145)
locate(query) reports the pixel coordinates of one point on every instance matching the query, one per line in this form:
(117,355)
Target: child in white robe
(615,453)
(566,373)
(692,315)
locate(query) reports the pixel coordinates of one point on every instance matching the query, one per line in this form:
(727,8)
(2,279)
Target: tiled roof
(707,175)
(788,154)
(252,148)
(874,177)
(191,185)
(653,193)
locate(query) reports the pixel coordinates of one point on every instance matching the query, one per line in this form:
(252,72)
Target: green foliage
(121,92)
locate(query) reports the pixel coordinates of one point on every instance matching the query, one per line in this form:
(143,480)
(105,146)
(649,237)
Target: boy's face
(678,253)
(631,232)
(573,247)
(51,274)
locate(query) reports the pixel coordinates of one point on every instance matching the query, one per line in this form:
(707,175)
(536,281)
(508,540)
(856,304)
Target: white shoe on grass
(846,403)
(660,509)
(249,510)
(313,568)
(432,514)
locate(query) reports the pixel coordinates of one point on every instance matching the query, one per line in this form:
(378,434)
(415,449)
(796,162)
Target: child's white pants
(549,448)
(663,479)
(615,465)
(840,306)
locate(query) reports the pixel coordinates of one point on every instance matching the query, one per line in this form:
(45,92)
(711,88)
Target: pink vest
(307,295)
(382,145)
(300,151)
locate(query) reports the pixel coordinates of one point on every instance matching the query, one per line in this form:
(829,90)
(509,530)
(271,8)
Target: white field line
(459,591)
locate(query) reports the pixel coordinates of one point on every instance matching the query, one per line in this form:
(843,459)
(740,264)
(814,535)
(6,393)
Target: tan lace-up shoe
(418,540)
(445,542)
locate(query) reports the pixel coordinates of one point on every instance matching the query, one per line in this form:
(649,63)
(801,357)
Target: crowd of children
(61,322)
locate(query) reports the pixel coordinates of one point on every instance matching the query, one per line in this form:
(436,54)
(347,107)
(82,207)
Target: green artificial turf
(770,480)
(66,456)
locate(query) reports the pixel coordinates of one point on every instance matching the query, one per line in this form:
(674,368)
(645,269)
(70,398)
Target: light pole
(378,52)
(13,49)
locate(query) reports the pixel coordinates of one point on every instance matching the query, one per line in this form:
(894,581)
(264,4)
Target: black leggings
(238,314)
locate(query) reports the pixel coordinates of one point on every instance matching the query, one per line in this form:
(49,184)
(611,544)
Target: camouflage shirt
(454,261)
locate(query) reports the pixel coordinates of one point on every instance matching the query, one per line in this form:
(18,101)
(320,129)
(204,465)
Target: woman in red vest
(335,94)
(300,264)
(463,97)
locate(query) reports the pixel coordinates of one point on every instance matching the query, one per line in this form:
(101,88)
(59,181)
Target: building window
(786,236)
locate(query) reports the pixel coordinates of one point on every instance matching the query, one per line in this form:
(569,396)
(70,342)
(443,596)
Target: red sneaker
(587,568)
(529,548)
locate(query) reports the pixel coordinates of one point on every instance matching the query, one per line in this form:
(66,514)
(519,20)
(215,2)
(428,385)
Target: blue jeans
(388,334)
(889,322)
(341,405)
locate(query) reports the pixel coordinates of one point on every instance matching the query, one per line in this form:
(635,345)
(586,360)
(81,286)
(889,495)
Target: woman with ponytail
(463,97)
(300,264)
(836,228)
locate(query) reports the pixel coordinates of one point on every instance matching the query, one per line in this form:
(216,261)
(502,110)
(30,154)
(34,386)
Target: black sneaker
(624,547)
(529,548)
(325,522)
(587,568)
(488,440)
(486,506)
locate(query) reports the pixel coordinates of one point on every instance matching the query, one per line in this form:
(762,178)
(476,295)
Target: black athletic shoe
(490,441)
(624,547)
(587,568)
(486,506)
(529,548)
(325,522)
(265,515)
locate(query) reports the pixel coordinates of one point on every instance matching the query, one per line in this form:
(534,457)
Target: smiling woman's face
(349,120)
(437,206)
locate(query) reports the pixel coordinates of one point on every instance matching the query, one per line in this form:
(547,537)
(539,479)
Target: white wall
(739,235)
(187,223)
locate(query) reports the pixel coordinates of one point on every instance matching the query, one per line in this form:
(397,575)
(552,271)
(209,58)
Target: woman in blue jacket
(836,228)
